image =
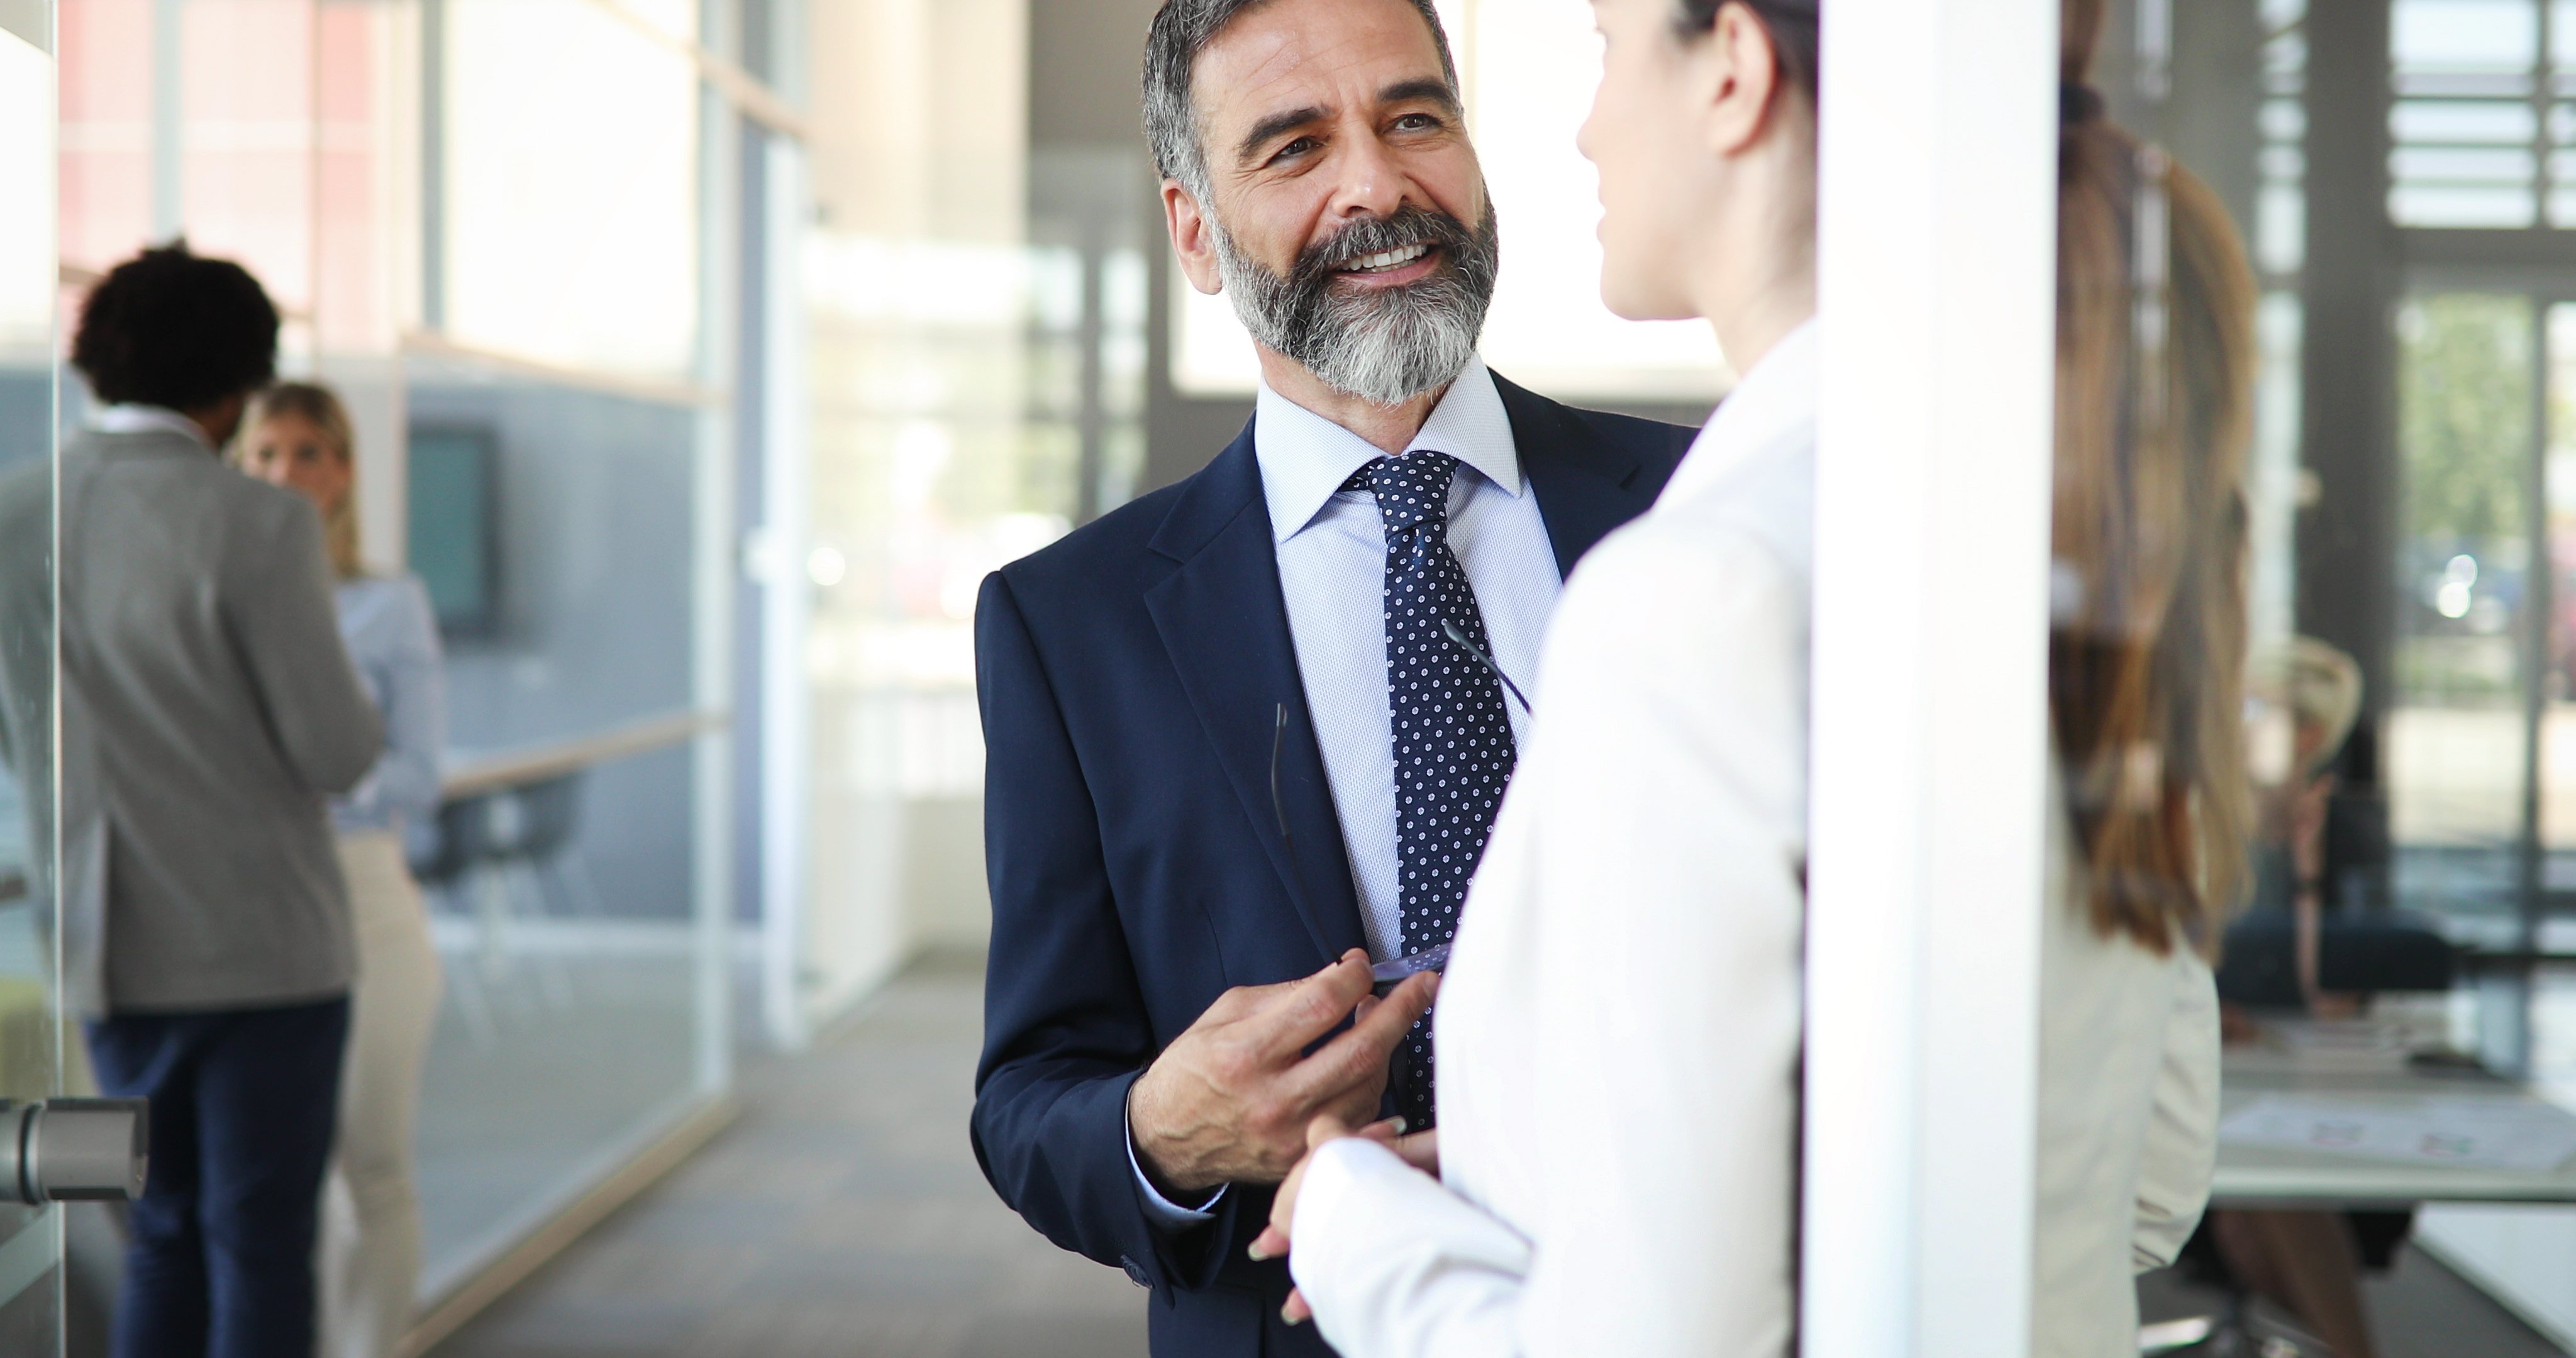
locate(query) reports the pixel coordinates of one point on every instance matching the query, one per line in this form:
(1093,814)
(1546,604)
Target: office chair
(510,855)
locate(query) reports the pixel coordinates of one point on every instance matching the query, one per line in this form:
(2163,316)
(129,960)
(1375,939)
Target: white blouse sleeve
(1658,828)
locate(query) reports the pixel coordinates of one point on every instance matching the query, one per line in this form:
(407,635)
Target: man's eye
(1298,147)
(1417,122)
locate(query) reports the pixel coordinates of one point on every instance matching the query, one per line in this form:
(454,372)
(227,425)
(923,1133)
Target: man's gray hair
(1183,29)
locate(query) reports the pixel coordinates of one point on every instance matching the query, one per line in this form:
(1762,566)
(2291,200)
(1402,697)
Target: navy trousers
(243,1106)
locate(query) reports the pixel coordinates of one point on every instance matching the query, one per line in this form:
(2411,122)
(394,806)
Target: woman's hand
(1420,1150)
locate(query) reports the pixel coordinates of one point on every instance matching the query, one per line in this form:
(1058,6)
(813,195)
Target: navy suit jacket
(1130,677)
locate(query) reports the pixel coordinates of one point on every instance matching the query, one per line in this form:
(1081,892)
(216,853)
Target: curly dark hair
(171,328)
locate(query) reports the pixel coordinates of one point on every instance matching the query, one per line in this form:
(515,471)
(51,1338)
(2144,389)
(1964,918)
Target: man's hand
(1229,1100)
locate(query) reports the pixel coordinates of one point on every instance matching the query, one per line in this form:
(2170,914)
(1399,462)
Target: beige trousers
(370,1264)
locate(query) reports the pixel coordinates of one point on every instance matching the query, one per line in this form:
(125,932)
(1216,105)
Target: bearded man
(1246,734)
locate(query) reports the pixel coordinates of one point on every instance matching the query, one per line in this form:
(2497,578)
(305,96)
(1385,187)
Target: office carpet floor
(843,1217)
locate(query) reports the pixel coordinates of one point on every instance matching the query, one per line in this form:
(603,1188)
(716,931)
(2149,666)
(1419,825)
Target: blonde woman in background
(300,437)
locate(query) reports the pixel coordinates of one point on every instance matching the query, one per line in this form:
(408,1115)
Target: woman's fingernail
(1293,1319)
(1259,1255)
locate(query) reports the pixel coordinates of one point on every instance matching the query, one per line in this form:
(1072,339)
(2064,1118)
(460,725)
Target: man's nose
(1370,182)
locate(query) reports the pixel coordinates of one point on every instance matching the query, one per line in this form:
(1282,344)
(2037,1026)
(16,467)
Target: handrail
(535,764)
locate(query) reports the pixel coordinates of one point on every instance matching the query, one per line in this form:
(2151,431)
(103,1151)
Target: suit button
(1135,1271)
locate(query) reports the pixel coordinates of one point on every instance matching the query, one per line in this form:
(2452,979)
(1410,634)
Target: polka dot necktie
(1453,740)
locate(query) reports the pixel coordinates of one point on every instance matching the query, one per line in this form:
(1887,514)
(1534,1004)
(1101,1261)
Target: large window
(2482,135)
(568,189)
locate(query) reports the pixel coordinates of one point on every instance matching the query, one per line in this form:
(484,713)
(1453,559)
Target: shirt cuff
(1340,1175)
(1162,1211)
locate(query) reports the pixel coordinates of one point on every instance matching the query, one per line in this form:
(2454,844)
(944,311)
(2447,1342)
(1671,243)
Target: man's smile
(1393,268)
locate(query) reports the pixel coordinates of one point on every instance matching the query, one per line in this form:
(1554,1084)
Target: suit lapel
(1586,484)
(1225,624)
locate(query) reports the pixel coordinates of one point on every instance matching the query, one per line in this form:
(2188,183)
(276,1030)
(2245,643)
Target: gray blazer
(208,710)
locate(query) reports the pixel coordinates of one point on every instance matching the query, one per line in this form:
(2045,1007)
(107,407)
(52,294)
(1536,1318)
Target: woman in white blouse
(1617,1155)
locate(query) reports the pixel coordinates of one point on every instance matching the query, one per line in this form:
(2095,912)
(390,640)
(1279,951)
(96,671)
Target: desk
(2364,1064)
(476,774)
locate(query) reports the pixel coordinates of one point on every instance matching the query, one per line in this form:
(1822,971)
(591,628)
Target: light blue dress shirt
(392,636)
(1332,571)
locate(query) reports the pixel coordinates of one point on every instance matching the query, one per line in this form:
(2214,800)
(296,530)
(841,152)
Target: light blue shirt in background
(1332,570)
(392,636)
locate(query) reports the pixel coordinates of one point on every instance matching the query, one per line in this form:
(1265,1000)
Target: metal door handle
(72,1150)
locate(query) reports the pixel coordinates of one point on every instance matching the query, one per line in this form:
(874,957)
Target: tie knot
(1411,490)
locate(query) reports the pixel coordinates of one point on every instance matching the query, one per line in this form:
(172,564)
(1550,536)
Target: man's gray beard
(1385,345)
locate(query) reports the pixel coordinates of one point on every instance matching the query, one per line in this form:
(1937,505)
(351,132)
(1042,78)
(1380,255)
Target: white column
(1937,250)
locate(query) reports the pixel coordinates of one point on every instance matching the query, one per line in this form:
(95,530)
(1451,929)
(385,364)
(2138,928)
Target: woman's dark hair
(2147,660)
(170,328)
(1791,24)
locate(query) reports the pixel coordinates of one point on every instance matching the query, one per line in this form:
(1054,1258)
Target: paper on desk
(2476,1133)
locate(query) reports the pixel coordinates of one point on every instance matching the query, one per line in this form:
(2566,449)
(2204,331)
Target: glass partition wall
(31,1239)
(500,228)
(2396,169)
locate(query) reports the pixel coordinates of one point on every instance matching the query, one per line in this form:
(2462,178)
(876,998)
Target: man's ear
(1739,77)
(1193,237)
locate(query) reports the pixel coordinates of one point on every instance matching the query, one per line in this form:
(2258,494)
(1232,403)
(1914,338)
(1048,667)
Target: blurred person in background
(300,437)
(2308,1262)
(209,712)
(1664,797)
(1247,733)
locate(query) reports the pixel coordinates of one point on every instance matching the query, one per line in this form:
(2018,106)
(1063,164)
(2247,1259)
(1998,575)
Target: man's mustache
(1405,227)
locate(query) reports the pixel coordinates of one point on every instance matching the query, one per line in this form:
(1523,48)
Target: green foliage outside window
(2464,417)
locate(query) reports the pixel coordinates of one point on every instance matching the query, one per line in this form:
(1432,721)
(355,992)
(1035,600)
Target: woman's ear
(1738,81)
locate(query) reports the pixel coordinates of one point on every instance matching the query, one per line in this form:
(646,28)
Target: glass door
(30,1005)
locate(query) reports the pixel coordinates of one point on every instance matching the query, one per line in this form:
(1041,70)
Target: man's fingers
(1387,1020)
(1358,1103)
(1311,1007)
(1357,1058)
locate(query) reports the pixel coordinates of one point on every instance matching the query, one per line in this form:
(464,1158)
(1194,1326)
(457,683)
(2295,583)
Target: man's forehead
(1293,53)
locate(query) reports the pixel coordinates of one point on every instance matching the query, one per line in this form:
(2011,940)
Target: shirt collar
(1775,398)
(136,418)
(1305,458)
